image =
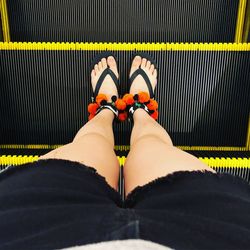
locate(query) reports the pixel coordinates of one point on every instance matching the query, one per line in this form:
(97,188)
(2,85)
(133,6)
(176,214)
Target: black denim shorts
(51,204)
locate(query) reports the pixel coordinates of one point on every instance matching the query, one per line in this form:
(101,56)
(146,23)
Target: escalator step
(204,96)
(123,21)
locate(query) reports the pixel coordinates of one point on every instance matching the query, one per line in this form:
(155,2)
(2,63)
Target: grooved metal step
(123,21)
(204,96)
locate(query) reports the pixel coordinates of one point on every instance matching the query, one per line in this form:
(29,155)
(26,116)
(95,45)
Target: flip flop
(106,72)
(141,72)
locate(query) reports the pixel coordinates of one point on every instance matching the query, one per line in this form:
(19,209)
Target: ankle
(107,113)
(140,114)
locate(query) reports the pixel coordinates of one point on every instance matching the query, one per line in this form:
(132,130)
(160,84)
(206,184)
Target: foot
(108,86)
(139,84)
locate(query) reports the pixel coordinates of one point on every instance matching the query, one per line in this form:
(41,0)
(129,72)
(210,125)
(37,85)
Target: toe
(96,68)
(111,61)
(135,64)
(148,64)
(93,73)
(112,64)
(143,63)
(151,69)
(155,73)
(100,65)
(104,63)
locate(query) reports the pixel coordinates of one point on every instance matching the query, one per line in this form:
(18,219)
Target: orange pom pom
(120,104)
(92,107)
(91,116)
(143,97)
(128,98)
(100,97)
(155,115)
(153,105)
(123,116)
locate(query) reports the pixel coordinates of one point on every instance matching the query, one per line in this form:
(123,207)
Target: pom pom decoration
(153,105)
(120,104)
(136,97)
(128,98)
(143,97)
(155,115)
(123,116)
(103,102)
(114,98)
(92,107)
(100,97)
(91,116)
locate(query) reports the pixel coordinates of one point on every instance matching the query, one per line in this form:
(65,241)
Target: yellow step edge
(240,21)
(125,46)
(248,134)
(210,161)
(123,147)
(5,20)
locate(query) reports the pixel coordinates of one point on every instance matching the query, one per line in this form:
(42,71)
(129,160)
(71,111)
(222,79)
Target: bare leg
(152,154)
(93,145)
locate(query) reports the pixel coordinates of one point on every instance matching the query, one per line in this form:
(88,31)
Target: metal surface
(123,21)
(203,96)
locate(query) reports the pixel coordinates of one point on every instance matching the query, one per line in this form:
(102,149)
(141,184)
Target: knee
(96,137)
(148,138)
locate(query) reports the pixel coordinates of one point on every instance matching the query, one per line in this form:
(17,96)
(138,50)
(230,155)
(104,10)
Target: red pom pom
(155,115)
(99,98)
(128,98)
(120,104)
(91,116)
(143,97)
(92,107)
(153,105)
(123,116)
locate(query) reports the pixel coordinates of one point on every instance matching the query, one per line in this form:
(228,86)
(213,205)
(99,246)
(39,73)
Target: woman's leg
(93,145)
(152,153)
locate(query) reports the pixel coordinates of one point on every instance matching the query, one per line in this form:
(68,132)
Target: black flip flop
(142,72)
(107,71)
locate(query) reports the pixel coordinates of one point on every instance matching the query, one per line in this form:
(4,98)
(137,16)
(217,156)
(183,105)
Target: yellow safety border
(29,146)
(246,28)
(5,20)
(210,161)
(240,21)
(125,46)
(125,147)
(248,135)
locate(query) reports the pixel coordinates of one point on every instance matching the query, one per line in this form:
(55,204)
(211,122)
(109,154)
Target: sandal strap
(145,76)
(136,106)
(108,106)
(106,72)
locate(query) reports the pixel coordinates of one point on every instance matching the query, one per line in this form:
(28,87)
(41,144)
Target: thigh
(91,150)
(194,210)
(53,204)
(151,158)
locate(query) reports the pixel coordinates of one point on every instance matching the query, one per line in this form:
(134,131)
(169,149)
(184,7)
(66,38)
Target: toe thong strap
(145,76)
(106,72)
